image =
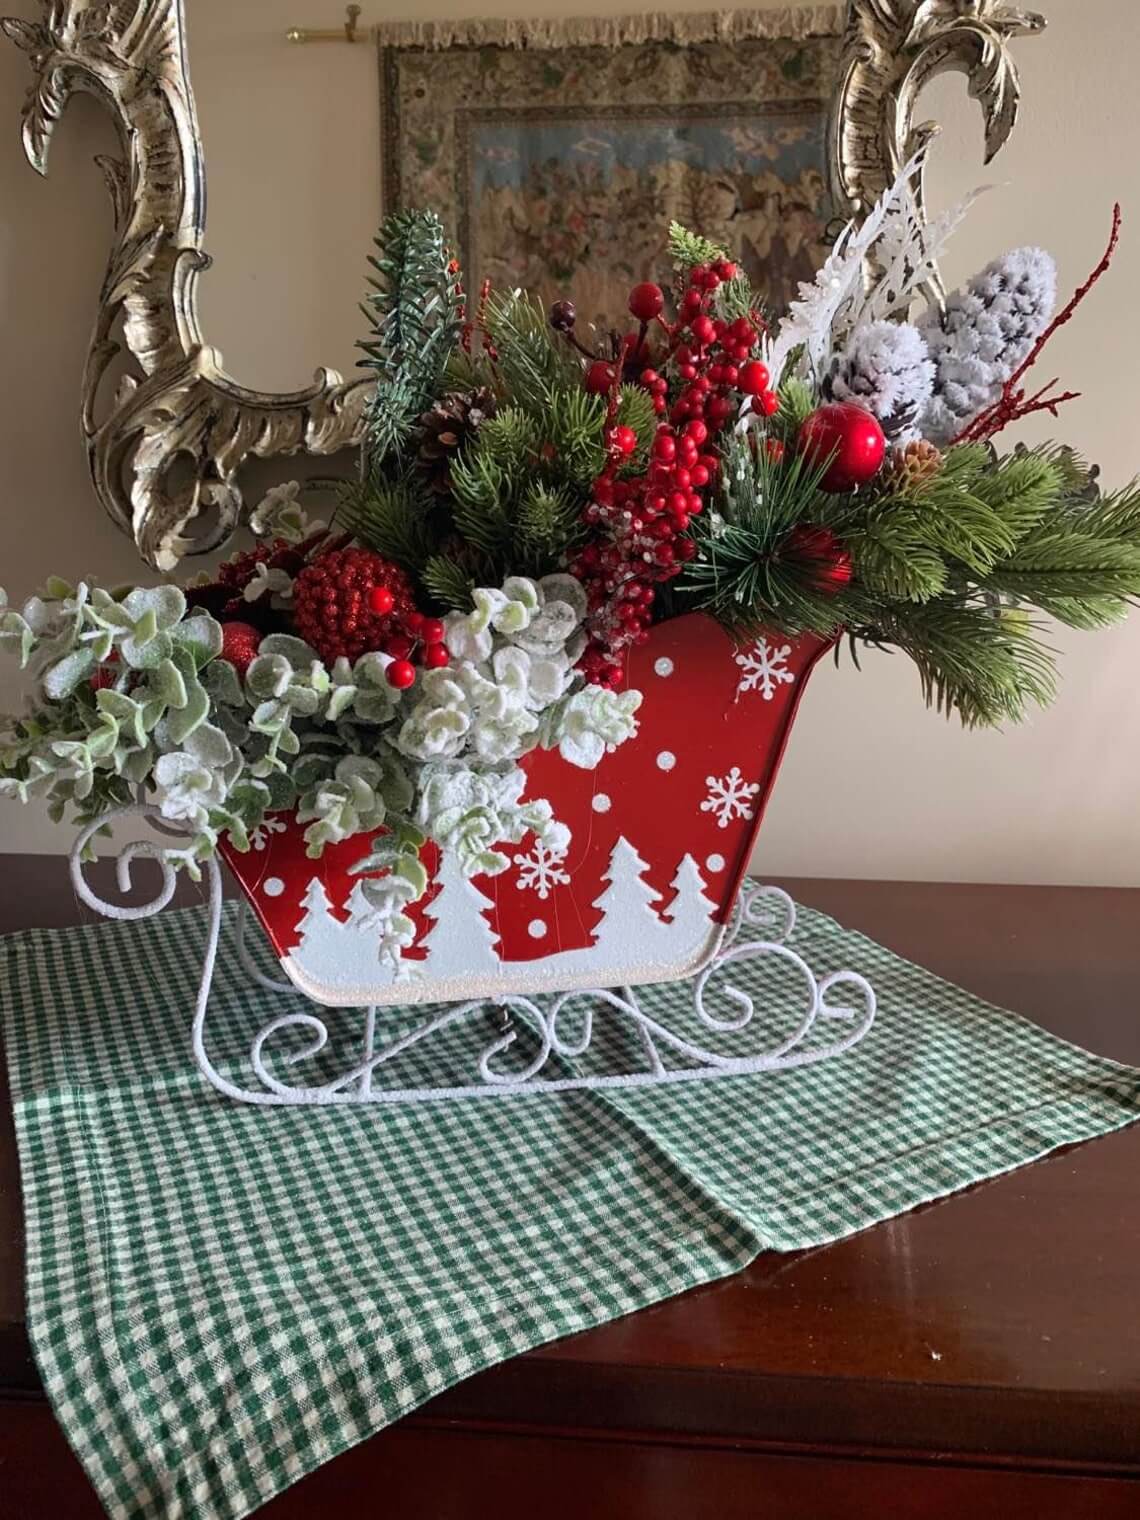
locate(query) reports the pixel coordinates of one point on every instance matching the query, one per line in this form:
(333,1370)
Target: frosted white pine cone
(887,368)
(987,328)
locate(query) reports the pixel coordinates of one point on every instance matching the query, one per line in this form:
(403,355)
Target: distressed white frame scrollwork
(172,438)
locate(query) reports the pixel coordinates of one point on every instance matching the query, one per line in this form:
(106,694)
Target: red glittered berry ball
(847,439)
(436,656)
(336,599)
(646,301)
(600,377)
(240,643)
(753,378)
(401,674)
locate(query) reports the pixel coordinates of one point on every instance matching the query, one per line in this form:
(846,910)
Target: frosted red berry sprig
(639,525)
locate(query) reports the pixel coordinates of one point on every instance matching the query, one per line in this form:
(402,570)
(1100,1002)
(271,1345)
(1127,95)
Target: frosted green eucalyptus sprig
(133,695)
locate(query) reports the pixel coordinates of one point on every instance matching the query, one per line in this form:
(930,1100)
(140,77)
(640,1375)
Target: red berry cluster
(638,524)
(334,610)
(417,636)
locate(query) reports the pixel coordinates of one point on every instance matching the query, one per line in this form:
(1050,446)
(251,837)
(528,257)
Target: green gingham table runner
(220,1298)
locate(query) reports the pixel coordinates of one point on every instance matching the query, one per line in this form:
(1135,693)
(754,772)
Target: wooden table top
(999,1326)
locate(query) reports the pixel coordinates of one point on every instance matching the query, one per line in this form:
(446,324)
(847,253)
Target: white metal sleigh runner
(541,964)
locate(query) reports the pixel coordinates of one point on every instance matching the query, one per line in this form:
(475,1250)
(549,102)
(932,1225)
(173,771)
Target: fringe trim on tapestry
(684,30)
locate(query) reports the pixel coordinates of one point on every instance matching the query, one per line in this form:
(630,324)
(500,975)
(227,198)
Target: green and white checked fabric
(221,1298)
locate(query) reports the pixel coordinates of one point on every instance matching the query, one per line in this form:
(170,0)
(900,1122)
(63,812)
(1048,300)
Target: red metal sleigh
(661,836)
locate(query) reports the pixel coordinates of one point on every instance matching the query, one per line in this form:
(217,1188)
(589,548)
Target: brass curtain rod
(349,32)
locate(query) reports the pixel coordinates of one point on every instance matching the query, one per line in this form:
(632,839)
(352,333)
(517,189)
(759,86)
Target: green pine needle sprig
(413,310)
(689,248)
(448,582)
(393,519)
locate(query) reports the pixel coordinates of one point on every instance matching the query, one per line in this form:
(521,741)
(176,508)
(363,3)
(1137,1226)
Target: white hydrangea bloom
(591,722)
(279,514)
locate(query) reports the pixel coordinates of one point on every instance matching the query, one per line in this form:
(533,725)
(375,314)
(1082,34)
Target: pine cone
(446,427)
(910,467)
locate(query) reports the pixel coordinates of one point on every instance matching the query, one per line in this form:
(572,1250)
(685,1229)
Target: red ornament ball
(332,602)
(600,378)
(646,301)
(828,563)
(381,600)
(240,643)
(432,631)
(623,440)
(848,439)
(401,674)
(753,378)
(436,656)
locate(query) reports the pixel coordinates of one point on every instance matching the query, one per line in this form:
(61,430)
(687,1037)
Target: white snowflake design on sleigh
(541,871)
(763,669)
(729,797)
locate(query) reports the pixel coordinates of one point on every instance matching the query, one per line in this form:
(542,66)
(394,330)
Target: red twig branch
(1013,404)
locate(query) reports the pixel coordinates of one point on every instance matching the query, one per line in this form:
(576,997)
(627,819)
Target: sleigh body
(661,834)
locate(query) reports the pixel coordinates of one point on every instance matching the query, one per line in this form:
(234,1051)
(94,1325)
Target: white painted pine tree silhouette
(323,938)
(361,914)
(689,908)
(462,939)
(627,907)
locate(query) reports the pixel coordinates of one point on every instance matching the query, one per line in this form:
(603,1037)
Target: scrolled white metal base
(761,908)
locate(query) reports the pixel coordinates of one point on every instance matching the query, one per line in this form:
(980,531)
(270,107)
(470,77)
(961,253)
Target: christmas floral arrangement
(533,497)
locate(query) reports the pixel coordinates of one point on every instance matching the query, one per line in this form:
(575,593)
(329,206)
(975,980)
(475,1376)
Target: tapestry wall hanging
(558,152)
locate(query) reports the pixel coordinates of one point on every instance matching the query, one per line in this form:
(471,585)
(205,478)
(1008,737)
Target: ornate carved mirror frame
(172,436)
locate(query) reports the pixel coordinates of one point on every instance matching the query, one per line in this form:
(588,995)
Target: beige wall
(873,784)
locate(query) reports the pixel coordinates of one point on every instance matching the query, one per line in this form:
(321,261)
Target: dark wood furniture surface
(977,1357)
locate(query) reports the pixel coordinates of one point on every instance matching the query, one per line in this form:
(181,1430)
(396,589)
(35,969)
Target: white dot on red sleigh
(714,863)
(666,760)
(663,667)
(273,886)
(536,928)
(601,803)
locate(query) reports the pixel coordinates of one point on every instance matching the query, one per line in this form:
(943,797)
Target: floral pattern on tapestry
(563,167)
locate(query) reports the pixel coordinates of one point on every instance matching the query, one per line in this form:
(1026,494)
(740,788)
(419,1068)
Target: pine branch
(481,492)
(1060,560)
(574,426)
(635,410)
(765,496)
(748,592)
(390,520)
(511,439)
(690,248)
(530,361)
(1083,612)
(413,310)
(985,665)
(448,582)
(549,524)
(797,400)
(737,298)
(892,561)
